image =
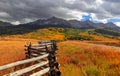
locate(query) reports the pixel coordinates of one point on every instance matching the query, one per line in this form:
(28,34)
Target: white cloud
(69,1)
(99,2)
(77,14)
(26,20)
(16,23)
(103,20)
(4,14)
(117,23)
(93,15)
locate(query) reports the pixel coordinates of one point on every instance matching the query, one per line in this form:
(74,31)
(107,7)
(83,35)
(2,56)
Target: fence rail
(43,55)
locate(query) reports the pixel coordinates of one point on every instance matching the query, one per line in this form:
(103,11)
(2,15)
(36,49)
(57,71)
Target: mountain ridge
(5,24)
(59,22)
(62,23)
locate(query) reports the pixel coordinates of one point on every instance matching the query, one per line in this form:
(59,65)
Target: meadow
(110,43)
(76,58)
(86,59)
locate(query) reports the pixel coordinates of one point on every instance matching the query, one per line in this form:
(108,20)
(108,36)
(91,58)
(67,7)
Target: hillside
(60,29)
(64,34)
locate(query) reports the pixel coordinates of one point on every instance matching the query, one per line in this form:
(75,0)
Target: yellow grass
(112,43)
(11,51)
(85,59)
(77,58)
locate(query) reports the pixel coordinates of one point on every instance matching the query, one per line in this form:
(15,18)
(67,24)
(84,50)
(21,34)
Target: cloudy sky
(23,11)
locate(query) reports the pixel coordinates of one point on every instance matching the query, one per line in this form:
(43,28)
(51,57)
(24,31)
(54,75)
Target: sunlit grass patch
(88,59)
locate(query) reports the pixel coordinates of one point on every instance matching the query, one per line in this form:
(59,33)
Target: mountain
(59,22)
(112,26)
(81,25)
(50,22)
(9,29)
(5,24)
(90,25)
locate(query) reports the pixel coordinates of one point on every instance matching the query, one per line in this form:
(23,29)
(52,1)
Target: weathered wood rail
(43,55)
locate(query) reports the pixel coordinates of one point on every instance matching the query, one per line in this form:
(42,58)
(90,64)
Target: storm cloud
(23,11)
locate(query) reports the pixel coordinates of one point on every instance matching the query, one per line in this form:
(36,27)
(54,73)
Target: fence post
(28,53)
(54,45)
(56,64)
(53,64)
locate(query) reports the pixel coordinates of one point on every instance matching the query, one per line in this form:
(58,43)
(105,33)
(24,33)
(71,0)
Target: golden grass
(96,37)
(11,51)
(112,43)
(77,58)
(85,59)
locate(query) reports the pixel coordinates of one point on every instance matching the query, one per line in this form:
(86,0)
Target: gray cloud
(112,8)
(116,1)
(22,10)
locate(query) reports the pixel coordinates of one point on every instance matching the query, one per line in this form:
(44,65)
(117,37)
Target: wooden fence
(43,55)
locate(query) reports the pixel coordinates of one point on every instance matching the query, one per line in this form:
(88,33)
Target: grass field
(86,59)
(111,43)
(77,58)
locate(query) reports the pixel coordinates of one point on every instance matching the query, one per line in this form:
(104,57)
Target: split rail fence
(43,55)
